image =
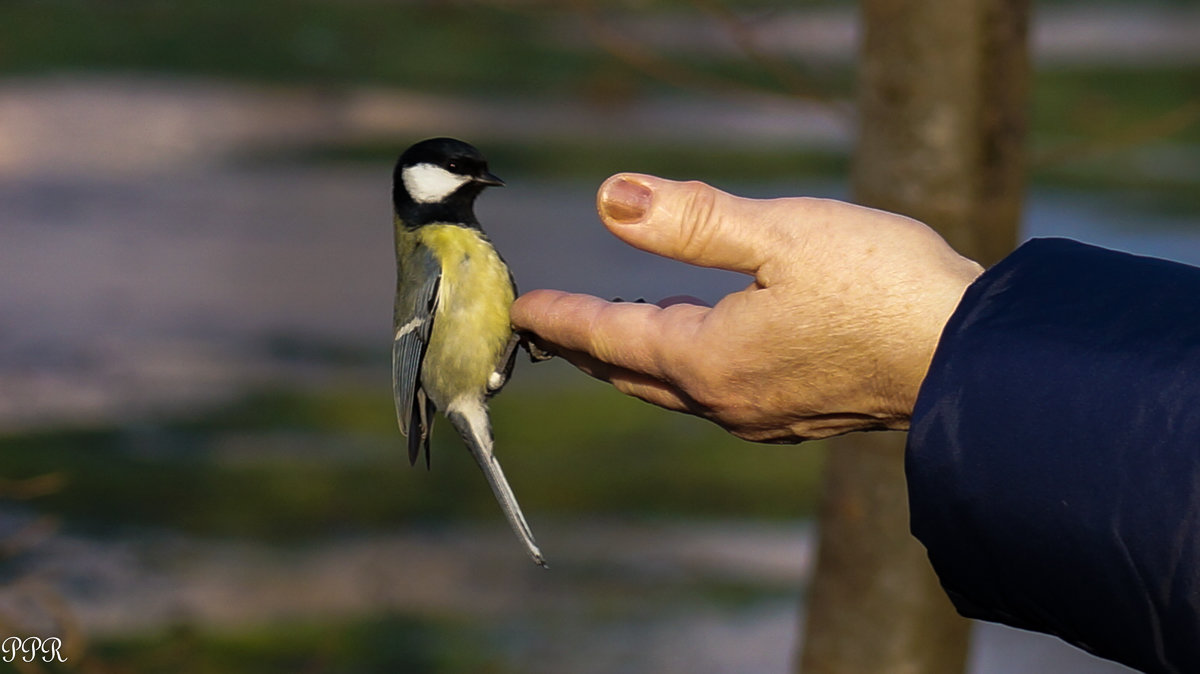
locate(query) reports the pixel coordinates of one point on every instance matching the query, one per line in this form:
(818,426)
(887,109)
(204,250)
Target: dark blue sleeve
(1054,458)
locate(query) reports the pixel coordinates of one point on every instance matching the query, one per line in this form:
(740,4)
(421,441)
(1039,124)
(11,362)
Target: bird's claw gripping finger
(536,353)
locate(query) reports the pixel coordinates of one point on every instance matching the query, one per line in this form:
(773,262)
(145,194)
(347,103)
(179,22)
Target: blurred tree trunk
(942,98)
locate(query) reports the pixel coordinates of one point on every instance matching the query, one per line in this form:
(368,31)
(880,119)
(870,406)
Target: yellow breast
(471,326)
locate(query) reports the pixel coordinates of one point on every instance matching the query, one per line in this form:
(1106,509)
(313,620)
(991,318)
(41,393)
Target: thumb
(687,221)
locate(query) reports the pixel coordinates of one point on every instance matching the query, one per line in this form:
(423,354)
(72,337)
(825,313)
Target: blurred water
(1130,226)
(123,297)
(119,296)
(123,294)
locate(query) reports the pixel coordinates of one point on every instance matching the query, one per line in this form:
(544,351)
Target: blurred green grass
(1098,101)
(263,39)
(1128,129)
(368,645)
(442,47)
(285,465)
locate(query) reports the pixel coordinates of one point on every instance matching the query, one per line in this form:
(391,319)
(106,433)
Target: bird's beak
(488,178)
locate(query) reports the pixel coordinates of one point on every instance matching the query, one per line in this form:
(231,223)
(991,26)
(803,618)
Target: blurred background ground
(199,461)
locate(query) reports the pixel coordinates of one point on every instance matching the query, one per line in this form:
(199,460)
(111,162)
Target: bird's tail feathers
(471,422)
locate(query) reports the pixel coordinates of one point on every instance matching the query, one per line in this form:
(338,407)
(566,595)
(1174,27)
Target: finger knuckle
(699,219)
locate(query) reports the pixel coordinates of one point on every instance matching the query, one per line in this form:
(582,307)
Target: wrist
(936,314)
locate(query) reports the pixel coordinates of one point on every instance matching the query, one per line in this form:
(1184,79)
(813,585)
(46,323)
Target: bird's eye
(453,166)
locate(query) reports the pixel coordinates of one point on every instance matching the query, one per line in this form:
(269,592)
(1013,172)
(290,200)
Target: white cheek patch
(429,184)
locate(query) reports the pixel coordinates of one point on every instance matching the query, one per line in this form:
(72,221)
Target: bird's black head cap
(437,180)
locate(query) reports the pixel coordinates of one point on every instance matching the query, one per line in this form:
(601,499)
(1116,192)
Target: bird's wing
(416,304)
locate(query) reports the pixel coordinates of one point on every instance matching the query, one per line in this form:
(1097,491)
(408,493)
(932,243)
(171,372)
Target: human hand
(834,335)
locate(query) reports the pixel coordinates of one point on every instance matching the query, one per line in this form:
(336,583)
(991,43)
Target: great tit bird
(454,346)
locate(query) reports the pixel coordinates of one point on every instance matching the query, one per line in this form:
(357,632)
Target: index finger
(639,337)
